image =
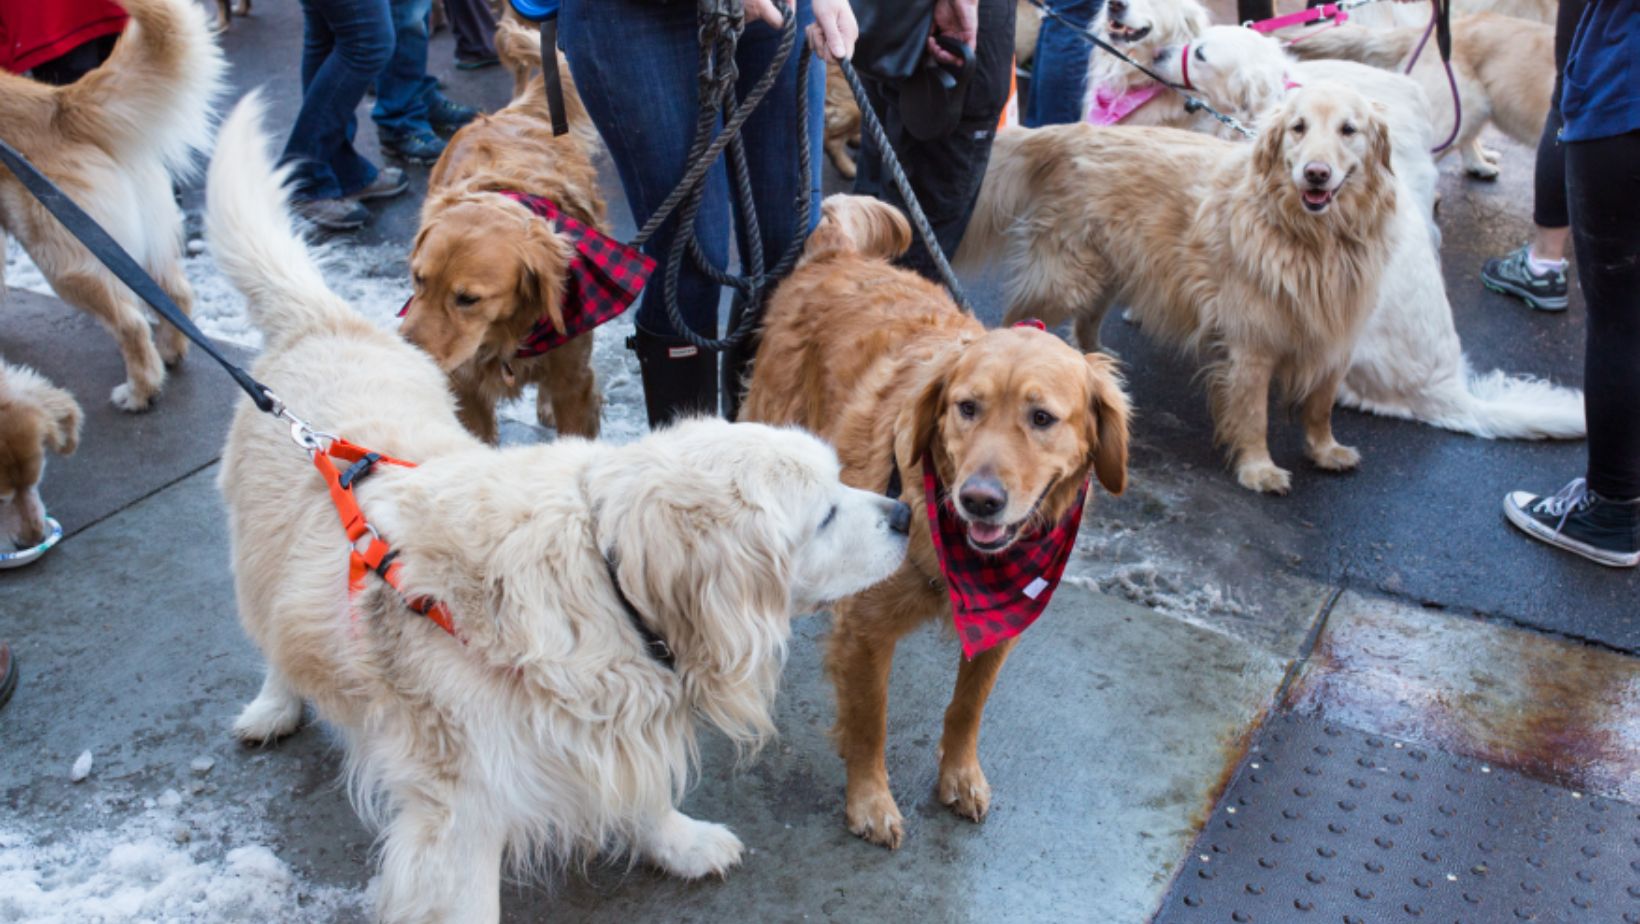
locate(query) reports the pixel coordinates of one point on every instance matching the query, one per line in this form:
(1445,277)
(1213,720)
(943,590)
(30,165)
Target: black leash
(550,76)
(1192,102)
(653,643)
(103,246)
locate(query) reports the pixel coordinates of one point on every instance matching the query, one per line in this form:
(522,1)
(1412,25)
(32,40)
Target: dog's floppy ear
(1108,414)
(919,422)
(1378,136)
(1272,136)
(544,258)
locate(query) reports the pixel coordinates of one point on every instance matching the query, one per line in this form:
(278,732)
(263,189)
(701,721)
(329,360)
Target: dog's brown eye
(466,301)
(419,280)
(967,409)
(1042,420)
(1298,127)
(1347,130)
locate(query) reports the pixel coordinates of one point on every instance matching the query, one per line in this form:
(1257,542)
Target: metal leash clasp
(301,432)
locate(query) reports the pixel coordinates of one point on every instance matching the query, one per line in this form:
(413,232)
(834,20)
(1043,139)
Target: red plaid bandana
(996,597)
(604,279)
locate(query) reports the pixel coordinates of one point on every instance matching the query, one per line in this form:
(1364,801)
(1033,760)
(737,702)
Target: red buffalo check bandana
(604,279)
(996,596)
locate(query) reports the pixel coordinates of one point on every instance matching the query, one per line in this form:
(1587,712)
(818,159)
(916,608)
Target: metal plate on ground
(1326,823)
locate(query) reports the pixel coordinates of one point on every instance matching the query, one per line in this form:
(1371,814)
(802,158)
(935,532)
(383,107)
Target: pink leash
(1451,78)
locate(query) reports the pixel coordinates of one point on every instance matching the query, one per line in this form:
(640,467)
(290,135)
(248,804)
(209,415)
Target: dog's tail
(1491,406)
(249,227)
(1383,48)
(858,224)
(155,93)
(1009,190)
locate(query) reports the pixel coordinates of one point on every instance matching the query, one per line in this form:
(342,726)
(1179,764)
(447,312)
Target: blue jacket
(1601,94)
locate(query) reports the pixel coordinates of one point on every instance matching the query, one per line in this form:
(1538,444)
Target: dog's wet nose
(899,518)
(982,496)
(1317,173)
(1116,8)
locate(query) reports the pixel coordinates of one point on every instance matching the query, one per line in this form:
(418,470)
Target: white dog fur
(1408,361)
(546,731)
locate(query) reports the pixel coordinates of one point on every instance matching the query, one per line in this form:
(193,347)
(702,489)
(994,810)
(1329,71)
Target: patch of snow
(167,864)
(81,768)
(202,765)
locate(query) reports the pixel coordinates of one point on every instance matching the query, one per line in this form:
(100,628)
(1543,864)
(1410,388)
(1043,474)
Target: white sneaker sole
(1529,524)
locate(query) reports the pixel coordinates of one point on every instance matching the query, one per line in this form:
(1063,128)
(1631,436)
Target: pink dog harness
(1110,105)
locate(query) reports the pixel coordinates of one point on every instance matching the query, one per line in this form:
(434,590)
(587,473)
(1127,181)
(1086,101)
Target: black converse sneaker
(1579,520)
(1512,275)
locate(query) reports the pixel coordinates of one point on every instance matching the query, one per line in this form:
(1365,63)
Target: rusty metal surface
(1327,823)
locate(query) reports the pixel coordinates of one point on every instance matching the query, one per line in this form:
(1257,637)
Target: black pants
(75,63)
(946,173)
(1603,189)
(1549,180)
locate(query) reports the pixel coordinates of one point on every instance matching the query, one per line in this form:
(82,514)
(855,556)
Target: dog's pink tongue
(985,533)
(1316,196)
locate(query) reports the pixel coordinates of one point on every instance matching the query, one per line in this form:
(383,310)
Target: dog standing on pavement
(880,362)
(35,416)
(113,141)
(605,601)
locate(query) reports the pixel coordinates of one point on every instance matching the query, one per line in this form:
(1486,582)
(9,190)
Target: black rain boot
(679,378)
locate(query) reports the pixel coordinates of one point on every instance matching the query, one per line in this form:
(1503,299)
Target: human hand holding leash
(955,19)
(834,30)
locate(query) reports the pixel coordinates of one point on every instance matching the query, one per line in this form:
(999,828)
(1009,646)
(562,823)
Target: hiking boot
(332,214)
(448,116)
(1512,275)
(390,182)
(413,147)
(477,64)
(1579,520)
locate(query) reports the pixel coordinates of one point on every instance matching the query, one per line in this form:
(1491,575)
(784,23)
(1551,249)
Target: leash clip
(301,432)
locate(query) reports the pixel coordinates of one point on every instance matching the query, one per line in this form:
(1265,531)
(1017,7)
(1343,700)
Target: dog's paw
(1335,457)
(1265,477)
(1482,170)
(173,346)
(875,817)
(129,399)
(267,719)
(692,849)
(965,791)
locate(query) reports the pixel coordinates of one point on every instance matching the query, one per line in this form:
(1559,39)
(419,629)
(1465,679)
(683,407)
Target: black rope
(873,127)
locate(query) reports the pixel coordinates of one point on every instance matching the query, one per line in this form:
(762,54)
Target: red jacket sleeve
(33,32)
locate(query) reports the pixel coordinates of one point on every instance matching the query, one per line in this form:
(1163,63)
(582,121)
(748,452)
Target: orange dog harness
(376,556)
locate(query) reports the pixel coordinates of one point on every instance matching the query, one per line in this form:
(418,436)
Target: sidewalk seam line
(137,500)
(1310,642)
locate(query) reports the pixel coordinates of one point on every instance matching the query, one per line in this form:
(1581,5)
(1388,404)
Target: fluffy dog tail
(154,95)
(254,241)
(1008,192)
(1382,48)
(1491,406)
(860,225)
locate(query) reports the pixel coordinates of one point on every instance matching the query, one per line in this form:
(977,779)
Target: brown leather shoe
(8,673)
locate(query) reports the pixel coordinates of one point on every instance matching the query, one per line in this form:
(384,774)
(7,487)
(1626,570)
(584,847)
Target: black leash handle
(103,246)
(550,76)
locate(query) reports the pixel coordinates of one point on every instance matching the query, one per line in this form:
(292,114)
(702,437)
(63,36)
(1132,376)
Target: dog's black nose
(899,519)
(1116,8)
(1317,173)
(982,496)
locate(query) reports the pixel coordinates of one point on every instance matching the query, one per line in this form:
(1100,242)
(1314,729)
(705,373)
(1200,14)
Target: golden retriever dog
(1114,88)
(546,725)
(114,141)
(1505,68)
(842,122)
(1267,255)
(883,364)
(35,416)
(487,269)
(1408,361)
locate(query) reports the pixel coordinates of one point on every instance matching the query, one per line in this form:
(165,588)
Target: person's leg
(404,86)
(613,46)
(474,28)
(1059,69)
(946,173)
(346,43)
(76,63)
(1599,516)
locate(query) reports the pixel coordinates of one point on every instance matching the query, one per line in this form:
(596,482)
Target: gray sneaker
(390,182)
(332,214)
(1512,275)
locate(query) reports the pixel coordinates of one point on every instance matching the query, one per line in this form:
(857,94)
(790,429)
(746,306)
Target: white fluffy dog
(1139,28)
(1408,361)
(546,726)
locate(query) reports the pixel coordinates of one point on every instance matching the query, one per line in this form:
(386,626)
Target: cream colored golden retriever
(879,361)
(113,141)
(547,725)
(1268,255)
(1505,68)
(1140,28)
(35,416)
(487,269)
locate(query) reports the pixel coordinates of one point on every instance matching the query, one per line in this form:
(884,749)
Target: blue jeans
(1059,69)
(404,90)
(635,64)
(345,44)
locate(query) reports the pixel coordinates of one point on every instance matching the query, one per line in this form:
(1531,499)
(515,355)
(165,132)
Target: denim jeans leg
(635,64)
(346,43)
(771,137)
(1059,69)
(404,88)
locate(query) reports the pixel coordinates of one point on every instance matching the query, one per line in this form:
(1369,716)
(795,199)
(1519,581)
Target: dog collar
(653,643)
(1184,66)
(1110,105)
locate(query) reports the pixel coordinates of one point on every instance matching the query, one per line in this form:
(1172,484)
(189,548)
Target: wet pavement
(1200,620)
